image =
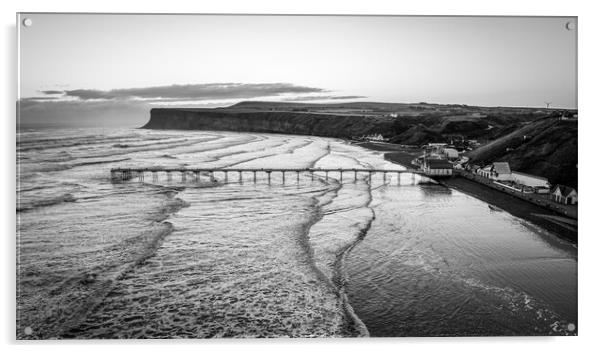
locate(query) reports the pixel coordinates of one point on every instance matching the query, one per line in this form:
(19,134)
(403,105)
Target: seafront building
(450,153)
(500,171)
(437,166)
(534,181)
(485,172)
(564,195)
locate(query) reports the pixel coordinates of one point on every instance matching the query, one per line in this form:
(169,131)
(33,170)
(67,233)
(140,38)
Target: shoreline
(525,210)
(519,208)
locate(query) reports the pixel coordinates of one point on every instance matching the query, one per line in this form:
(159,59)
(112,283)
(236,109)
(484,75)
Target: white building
(564,194)
(485,172)
(530,180)
(450,153)
(375,137)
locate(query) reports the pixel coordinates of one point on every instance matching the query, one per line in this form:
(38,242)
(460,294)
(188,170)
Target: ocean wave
(29,187)
(100,161)
(519,302)
(148,148)
(45,202)
(62,156)
(25,169)
(77,296)
(68,141)
(168,156)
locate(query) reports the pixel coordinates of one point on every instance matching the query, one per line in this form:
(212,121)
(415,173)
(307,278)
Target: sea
(292,256)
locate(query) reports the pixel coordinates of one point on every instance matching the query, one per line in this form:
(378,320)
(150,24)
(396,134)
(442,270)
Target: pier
(195,173)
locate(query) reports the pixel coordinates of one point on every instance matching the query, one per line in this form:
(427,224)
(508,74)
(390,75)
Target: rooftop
(438,164)
(531,175)
(564,190)
(502,167)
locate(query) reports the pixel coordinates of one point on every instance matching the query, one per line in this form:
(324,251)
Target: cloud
(191,92)
(41,98)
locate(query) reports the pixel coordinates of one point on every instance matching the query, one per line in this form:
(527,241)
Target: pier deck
(129,173)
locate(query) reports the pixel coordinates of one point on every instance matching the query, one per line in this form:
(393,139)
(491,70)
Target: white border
(589,135)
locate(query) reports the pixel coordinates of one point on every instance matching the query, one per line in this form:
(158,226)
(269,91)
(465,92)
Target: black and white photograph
(209,176)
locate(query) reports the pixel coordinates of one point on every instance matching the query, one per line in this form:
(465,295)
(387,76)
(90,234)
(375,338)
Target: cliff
(283,122)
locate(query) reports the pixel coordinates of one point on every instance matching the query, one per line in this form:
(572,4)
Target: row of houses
(501,173)
(436,162)
(373,137)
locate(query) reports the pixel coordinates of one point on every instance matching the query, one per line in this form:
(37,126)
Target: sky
(93,69)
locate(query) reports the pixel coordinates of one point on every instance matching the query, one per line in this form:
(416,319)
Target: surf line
(339,277)
(103,288)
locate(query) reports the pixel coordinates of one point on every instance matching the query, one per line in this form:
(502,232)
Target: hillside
(418,134)
(546,147)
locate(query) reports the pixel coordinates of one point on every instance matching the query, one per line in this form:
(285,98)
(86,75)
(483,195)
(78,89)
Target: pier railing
(131,173)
